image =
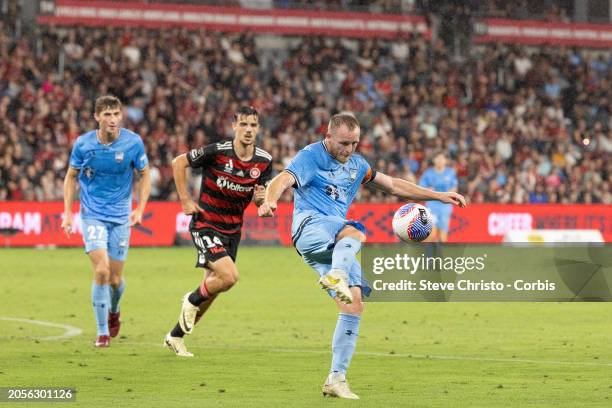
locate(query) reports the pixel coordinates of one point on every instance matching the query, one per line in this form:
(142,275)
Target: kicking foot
(337,280)
(188,315)
(114,324)
(336,386)
(102,341)
(177,344)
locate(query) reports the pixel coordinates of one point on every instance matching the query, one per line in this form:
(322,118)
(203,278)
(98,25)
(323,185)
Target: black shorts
(213,245)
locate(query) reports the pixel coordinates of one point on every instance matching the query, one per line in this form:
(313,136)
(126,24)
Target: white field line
(394,355)
(69,331)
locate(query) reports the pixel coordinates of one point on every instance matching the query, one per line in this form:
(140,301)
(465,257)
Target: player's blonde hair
(107,102)
(343,118)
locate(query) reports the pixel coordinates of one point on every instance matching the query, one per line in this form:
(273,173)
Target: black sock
(196,298)
(177,331)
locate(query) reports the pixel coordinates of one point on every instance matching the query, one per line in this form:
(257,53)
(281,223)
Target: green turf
(266,342)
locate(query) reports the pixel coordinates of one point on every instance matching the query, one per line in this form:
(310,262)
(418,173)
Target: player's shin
(344,253)
(115,296)
(100,297)
(344,342)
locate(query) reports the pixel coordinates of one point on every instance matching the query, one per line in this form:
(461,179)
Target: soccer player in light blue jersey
(104,161)
(326,177)
(440,178)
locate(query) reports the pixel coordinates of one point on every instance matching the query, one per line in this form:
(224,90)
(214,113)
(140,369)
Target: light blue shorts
(315,238)
(115,238)
(441,217)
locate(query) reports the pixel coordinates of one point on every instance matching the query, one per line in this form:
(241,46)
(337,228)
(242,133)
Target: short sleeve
(202,156)
(303,167)
(368,172)
(266,176)
(76,156)
(141,161)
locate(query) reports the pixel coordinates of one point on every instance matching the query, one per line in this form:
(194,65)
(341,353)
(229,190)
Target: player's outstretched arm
(179,170)
(410,191)
(144,190)
(70,182)
(275,189)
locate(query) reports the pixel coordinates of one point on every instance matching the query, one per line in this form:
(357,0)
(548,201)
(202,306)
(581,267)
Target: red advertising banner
(38,224)
(351,24)
(541,32)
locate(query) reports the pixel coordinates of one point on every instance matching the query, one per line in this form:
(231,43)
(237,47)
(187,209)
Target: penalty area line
(69,331)
(394,355)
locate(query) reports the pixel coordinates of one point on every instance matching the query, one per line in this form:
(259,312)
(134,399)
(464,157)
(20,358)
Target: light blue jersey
(106,174)
(324,185)
(445,180)
(324,191)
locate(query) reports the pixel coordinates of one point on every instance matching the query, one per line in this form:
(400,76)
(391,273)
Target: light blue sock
(344,342)
(115,296)
(344,253)
(100,296)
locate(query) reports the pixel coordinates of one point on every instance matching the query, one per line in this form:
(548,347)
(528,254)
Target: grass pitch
(266,343)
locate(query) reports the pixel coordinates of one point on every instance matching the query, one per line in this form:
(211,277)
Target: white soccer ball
(412,222)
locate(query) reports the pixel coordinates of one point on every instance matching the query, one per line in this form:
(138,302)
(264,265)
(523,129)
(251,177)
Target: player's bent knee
(230,280)
(352,232)
(102,273)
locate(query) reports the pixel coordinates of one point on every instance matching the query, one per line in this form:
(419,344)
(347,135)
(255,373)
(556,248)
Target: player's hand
(266,209)
(453,198)
(67,224)
(259,194)
(135,217)
(190,207)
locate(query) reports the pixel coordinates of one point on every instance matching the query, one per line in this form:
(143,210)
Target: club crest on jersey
(254,172)
(353,174)
(118,157)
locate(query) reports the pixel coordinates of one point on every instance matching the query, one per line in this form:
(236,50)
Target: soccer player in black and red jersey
(233,174)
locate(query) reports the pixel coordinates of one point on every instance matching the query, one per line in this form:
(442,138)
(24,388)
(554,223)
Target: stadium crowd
(519,125)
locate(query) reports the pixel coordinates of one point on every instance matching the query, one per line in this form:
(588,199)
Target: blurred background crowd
(518,124)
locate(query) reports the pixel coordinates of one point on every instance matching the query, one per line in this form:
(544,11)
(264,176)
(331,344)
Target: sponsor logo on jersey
(229,167)
(224,183)
(89,173)
(254,173)
(332,191)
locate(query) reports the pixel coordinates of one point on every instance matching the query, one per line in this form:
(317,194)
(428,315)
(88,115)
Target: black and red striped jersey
(227,185)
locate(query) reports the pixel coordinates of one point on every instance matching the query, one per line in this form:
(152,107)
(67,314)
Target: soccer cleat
(102,341)
(188,315)
(177,345)
(336,386)
(114,324)
(337,280)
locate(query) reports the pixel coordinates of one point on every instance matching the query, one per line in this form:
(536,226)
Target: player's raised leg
(344,343)
(348,244)
(100,294)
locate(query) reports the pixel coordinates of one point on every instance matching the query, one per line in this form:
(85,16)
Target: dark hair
(246,111)
(343,118)
(107,102)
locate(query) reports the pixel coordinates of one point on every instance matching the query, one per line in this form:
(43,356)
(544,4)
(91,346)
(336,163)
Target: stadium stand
(521,124)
